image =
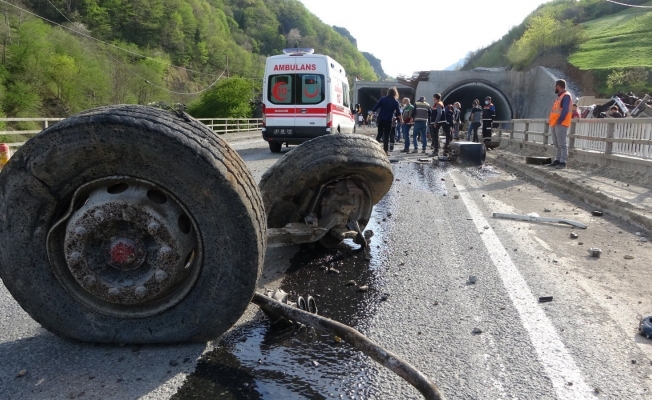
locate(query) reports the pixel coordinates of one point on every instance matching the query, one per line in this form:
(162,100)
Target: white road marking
(553,355)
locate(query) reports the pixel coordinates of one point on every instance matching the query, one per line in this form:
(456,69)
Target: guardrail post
(608,146)
(546,132)
(45,124)
(526,137)
(571,135)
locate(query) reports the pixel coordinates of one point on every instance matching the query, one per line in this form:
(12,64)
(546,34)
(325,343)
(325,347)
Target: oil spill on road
(257,361)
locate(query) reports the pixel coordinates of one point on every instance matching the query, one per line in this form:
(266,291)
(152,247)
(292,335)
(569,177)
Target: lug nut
(99,215)
(114,292)
(80,230)
(166,251)
(76,257)
(160,276)
(140,291)
(89,280)
(153,227)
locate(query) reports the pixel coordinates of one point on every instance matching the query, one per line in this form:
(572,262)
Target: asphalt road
(433,231)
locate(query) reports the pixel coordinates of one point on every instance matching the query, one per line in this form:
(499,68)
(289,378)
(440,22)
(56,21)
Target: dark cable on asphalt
(394,363)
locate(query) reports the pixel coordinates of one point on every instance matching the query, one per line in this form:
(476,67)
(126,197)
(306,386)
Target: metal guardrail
(232,125)
(611,138)
(219,125)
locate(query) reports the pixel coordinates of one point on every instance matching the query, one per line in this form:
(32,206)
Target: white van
(305,95)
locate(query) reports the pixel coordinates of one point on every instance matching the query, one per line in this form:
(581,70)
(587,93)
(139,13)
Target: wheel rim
(126,247)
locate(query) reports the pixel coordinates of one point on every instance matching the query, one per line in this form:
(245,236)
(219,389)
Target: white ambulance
(305,95)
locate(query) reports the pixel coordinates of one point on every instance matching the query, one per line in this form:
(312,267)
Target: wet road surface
(421,305)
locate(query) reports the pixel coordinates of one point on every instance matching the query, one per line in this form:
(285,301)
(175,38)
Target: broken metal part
(595,252)
(409,373)
(645,327)
(294,233)
(532,218)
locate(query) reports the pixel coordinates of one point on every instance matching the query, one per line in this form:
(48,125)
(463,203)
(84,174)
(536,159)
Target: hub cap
(125,247)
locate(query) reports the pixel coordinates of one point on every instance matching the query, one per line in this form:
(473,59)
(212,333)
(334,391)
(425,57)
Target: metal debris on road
(597,213)
(595,252)
(532,218)
(351,283)
(545,299)
(574,235)
(363,289)
(645,327)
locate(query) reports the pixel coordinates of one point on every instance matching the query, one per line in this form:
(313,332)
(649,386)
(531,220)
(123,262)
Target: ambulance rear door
(311,95)
(280,111)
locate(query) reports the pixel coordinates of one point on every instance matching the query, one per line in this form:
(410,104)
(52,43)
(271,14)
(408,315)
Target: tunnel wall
(530,93)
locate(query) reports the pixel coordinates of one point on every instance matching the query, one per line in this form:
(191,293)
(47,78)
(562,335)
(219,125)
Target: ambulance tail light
(329,115)
(264,117)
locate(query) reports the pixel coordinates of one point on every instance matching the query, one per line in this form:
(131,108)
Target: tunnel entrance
(466,92)
(368,97)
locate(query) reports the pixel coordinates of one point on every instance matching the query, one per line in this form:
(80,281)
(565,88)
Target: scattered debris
(473,279)
(574,235)
(628,257)
(531,218)
(547,210)
(580,244)
(633,361)
(384,297)
(315,363)
(456,196)
(638,233)
(545,299)
(173,363)
(22,373)
(443,179)
(389,215)
(476,331)
(645,327)
(486,227)
(538,160)
(337,339)
(644,240)
(597,213)
(555,261)
(595,252)
(351,283)
(363,289)
(333,270)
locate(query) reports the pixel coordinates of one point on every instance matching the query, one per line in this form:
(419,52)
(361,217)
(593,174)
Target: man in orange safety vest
(560,120)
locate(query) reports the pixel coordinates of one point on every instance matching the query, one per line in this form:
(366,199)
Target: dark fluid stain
(259,361)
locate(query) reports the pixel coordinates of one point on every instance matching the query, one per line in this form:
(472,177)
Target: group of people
(395,120)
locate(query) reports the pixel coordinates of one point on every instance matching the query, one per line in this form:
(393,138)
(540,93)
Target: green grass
(617,41)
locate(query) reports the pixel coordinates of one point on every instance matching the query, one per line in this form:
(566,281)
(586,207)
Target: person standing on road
(437,119)
(421,113)
(475,120)
(407,123)
(449,115)
(488,115)
(560,120)
(457,120)
(387,108)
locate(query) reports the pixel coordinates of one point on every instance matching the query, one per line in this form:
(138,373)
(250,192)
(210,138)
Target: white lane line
(553,355)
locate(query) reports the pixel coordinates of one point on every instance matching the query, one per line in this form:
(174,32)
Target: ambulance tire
(319,161)
(275,147)
(207,179)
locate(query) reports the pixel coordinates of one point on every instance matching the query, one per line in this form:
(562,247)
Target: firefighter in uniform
(560,120)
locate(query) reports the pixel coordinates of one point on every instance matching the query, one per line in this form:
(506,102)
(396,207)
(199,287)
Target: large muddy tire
(129,224)
(288,185)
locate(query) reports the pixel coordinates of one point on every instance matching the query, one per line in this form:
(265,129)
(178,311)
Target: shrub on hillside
(636,78)
(230,98)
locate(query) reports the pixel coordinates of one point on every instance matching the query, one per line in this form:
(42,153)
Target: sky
(404,34)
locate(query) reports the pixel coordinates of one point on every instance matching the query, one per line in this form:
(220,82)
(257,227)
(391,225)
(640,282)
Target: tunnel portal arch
(465,92)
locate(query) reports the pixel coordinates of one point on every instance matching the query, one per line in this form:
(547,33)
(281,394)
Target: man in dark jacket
(488,116)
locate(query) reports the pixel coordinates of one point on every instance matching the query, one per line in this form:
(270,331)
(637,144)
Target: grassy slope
(616,41)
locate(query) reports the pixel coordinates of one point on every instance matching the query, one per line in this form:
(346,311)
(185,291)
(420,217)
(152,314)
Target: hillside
(604,45)
(50,70)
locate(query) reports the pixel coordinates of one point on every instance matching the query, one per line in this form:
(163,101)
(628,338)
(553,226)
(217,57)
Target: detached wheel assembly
(129,224)
(330,184)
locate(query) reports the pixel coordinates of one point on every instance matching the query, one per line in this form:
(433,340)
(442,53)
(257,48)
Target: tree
(230,98)
(293,38)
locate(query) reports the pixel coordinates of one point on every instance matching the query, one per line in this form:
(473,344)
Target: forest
(88,53)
